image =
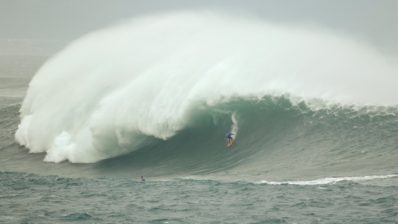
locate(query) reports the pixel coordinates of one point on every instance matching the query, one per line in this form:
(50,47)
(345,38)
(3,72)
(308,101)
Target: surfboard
(230,144)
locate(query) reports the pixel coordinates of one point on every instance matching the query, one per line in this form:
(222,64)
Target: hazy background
(41,27)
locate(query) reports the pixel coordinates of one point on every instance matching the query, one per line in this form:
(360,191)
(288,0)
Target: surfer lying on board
(230,139)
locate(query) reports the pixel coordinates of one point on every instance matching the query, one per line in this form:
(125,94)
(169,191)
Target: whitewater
(145,81)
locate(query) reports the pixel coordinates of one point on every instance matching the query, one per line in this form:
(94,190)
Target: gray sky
(374,21)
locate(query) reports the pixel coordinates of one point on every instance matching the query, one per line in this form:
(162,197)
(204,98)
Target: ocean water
(28,198)
(313,144)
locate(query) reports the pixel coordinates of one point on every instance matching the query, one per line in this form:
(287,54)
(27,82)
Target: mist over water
(148,81)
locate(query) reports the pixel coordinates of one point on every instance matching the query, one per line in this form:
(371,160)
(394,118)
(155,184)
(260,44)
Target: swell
(8,123)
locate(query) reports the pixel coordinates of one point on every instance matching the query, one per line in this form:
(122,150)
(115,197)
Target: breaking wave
(167,87)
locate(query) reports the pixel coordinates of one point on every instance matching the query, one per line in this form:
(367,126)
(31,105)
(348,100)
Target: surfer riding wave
(230,139)
(231,135)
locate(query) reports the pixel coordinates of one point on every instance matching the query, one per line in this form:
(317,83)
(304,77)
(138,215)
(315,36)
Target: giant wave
(178,81)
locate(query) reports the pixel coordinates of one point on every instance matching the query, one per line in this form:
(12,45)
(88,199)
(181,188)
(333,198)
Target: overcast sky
(373,21)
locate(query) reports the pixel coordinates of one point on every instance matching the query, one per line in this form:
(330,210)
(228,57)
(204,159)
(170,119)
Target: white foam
(328,180)
(112,88)
(234,125)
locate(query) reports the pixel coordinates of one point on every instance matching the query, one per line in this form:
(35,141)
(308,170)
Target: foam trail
(234,126)
(115,90)
(329,180)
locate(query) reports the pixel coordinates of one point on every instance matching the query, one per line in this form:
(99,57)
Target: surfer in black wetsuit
(230,138)
(142,179)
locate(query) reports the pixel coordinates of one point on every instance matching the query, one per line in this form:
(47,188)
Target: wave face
(169,86)
(277,140)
